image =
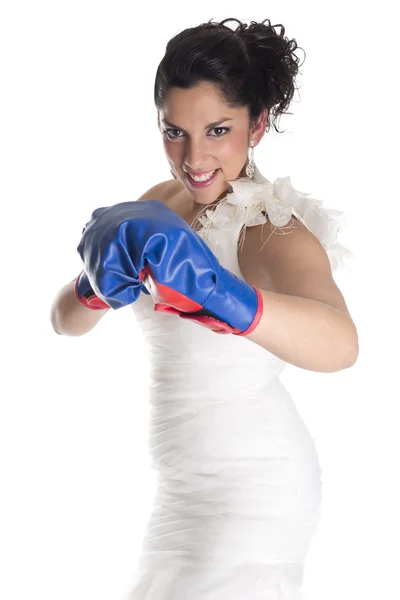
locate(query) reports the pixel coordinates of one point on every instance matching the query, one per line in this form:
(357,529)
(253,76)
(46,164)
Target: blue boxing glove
(144,241)
(83,289)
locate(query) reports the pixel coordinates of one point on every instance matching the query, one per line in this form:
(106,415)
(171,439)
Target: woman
(220,246)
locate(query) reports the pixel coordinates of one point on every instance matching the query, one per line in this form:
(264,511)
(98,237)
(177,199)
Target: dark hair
(251,65)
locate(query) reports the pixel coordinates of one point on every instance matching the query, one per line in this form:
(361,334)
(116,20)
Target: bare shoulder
(290,260)
(256,243)
(164,191)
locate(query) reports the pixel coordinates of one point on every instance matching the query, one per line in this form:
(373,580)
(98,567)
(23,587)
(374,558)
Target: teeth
(203,177)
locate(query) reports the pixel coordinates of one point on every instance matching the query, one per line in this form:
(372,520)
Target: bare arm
(305,320)
(69,316)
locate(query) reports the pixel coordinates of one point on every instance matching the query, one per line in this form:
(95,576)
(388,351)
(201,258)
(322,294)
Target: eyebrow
(209,126)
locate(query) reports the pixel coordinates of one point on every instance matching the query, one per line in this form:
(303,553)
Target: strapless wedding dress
(239,482)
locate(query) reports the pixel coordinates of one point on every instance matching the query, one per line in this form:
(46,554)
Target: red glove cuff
(90,300)
(211,322)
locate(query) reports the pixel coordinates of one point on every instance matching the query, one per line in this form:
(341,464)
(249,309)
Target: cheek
(234,149)
(171,150)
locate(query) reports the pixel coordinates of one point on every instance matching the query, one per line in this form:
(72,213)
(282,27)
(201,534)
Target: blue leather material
(233,301)
(120,240)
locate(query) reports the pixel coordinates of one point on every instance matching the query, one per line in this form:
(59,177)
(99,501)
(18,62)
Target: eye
(226,129)
(170,136)
(167,132)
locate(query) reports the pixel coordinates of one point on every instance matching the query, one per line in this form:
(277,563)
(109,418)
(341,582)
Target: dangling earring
(251,167)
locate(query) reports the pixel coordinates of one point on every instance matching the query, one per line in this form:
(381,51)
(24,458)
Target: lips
(200,184)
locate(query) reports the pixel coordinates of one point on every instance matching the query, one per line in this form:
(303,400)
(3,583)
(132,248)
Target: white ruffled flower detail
(220,216)
(279,201)
(257,197)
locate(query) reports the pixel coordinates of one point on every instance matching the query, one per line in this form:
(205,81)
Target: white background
(78,131)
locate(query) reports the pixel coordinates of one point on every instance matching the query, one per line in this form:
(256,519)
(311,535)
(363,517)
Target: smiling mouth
(202,176)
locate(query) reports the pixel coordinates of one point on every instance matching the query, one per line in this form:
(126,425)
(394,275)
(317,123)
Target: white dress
(239,483)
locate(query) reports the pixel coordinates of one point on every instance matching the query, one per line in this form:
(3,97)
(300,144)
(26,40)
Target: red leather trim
(96,303)
(176,299)
(167,309)
(163,295)
(210,323)
(93,302)
(203,320)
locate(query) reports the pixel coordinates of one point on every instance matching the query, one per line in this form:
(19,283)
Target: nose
(196,156)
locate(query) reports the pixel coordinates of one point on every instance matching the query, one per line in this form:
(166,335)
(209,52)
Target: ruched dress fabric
(239,484)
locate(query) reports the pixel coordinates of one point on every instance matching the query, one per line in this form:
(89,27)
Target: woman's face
(201,133)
